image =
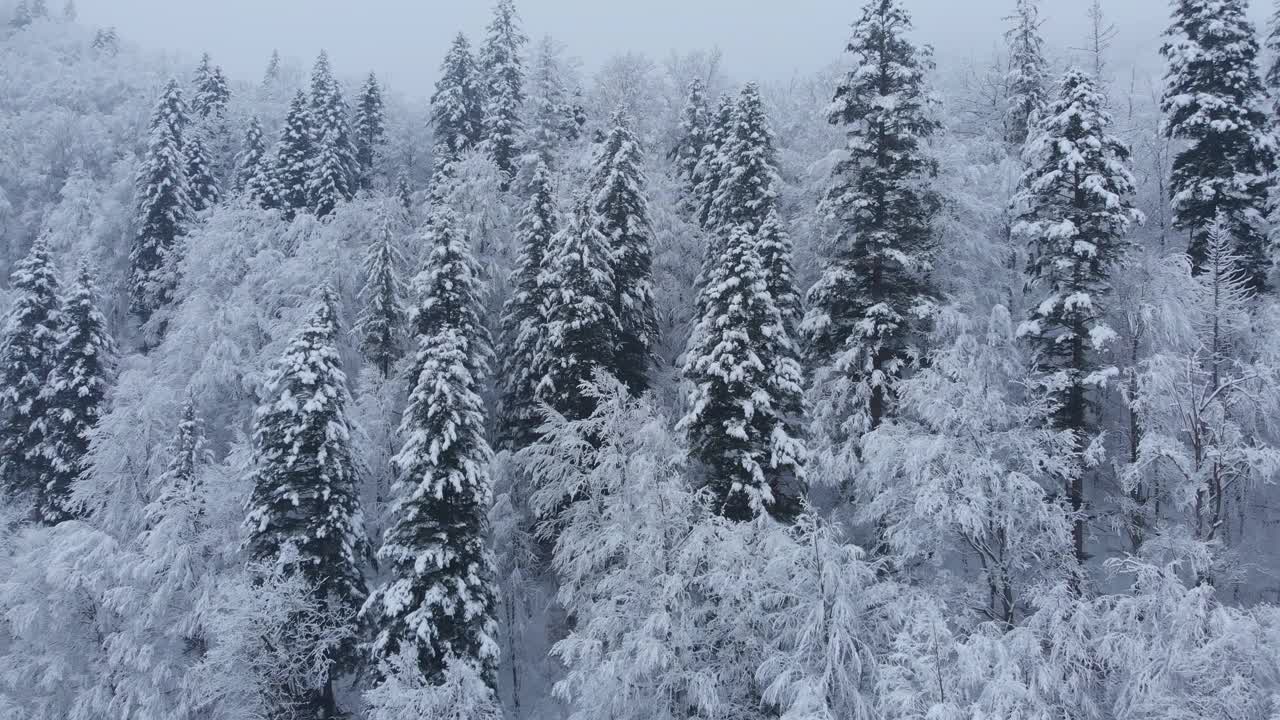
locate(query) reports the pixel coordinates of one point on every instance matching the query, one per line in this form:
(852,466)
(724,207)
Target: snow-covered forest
(643,391)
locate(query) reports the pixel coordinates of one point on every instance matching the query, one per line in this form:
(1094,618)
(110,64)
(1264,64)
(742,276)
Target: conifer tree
(333,169)
(578,116)
(1027,71)
(27,353)
(550,116)
(502,76)
(747,388)
(868,305)
(202,186)
(404,194)
(747,189)
(73,399)
(252,156)
(582,329)
(456,106)
(776,251)
(1074,206)
(709,170)
(272,73)
(382,322)
(695,130)
(369,129)
(448,289)
(164,204)
(622,212)
(293,157)
(1213,98)
(178,497)
(524,315)
(304,510)
(440,599)
(211,91)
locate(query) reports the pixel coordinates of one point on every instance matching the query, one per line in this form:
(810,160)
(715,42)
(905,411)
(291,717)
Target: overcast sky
(403,40)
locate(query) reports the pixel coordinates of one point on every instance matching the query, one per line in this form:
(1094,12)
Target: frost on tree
(870,303)
(293,158)
(1027,71)
(1074,207)
(369,129)
(28,346)
(382,321)
(456,105)
(202,186)
(73,399)
(502,86)
(164,205)
(709,171)
(621,210)
(695,130)
(211,91)
(1213,98)
(448,289)
(303,513)
(747,389)
(748,187)
(333,170)
(251,158)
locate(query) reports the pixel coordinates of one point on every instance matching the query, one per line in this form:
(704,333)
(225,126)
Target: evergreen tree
(293,157)
(747,189)
(202,186)
(370,130)
(440,600)
(27,353)
(164,204)
(251,158)
(448,289)
(524,315)
(578,115)
(107,41)
(868,305)
(73,399)
(695,130)
(333,171)
(1027,71)
(1213,98)
(709,170)
(304,510)
(272,73)
(550,116)
(404,194)
(211,91)
(456,105)
(382,322)
(503,86)
(178,495)
(775,248)
(1074,207)
(582,329)
(747,388)
(622,213)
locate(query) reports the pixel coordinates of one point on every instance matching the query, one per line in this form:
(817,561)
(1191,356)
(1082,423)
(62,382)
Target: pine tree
(1074,206)
(202,186)
(370,130)
(775,248)
(747,387)
(164,204)
(211,91)
(503,86)
(549,113)
(582,329)
(73,399)
(293,157)
(1027,71)
(304,510)
(333,170)
(177,492)
(448,289)
(622,213)
(1213,98)
(251,158)
(382,323)
(27,353)
(524,315)
(695,129)
(709,170)
(456,105)
(869,303)
(747,190)
(440,600)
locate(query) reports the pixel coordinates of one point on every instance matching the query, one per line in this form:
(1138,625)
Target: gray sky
(403,40)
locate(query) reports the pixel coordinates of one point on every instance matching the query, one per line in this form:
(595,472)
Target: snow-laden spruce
(164,205)
(456,106)
(334,170)
(1028,81)
(211,92)
(447,291)
(202,186)
(695,128)
(748,189)
(382,321)
(502,86)
(369,130)
(251,157)
(550,118)
(292,160)
(709,171)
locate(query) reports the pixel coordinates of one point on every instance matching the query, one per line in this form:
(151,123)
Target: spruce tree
(502,77)
(177,496)
(272,73)
(456,105)
(582,329)
(695,130)
(28,349)
(1027,71)
(440,599)
(524,315)
(709,170)
(747,189)
(867,307)
(776,251)
(293,157)
(447,290)
(202,186)
(621,211)
(252,156)
(1074,205)
(164,204)
(211,91)
(333,171)
(382,322)
(73,399)
(549,113)
(370,131)
(1213,98)
(747,388)
(304,509)
(107,42)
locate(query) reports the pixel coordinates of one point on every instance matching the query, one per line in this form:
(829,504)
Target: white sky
(403,40)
